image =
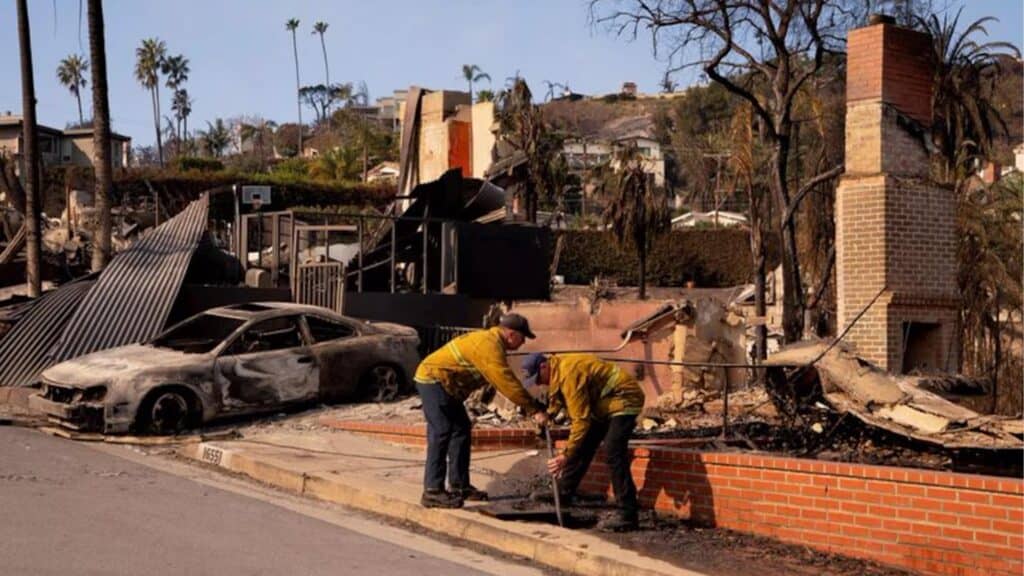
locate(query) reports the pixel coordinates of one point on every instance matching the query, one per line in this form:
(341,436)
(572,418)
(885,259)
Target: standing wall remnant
(896,228)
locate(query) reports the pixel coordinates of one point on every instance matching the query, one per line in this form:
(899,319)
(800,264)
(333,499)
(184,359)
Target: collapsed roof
(898,404)
(129,302)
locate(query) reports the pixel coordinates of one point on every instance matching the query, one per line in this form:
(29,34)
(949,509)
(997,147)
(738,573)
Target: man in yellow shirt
(602,402)
(444,380)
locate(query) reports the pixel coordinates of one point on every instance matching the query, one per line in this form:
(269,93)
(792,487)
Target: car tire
(166,411)
(382,383)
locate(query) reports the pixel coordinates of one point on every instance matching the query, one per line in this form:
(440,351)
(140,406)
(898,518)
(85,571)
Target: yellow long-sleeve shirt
(591,390)
(472,361)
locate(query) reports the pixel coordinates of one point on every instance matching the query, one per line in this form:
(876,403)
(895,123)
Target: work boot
(471,494)
(440,499)
(620,522)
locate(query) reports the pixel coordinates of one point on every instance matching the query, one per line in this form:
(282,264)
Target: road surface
(72,508)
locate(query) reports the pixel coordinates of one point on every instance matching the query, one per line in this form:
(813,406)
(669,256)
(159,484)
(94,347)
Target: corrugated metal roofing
(134,295)
(24,350)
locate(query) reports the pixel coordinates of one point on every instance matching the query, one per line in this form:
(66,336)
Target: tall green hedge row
(708,257)
(288,191)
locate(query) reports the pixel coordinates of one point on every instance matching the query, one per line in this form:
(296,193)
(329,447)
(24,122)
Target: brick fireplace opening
(895,227)
(922,344)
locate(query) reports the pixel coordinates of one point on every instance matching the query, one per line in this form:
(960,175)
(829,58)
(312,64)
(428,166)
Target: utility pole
(31,154)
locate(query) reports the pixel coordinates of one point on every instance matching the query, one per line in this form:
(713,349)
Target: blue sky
(241,55)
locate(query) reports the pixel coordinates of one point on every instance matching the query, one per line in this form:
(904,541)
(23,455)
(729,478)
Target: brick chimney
(895,229)
(888,82)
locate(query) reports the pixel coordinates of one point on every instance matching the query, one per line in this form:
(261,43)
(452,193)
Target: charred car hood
(108,366)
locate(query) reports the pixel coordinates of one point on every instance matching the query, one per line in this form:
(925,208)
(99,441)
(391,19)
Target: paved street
(70,508)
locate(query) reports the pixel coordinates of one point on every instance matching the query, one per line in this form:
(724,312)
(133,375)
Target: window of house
(46,145)
(324,330)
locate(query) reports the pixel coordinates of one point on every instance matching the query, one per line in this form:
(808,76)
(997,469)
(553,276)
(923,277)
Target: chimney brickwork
(895,228)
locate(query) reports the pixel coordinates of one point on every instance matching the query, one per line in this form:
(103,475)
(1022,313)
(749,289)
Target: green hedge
(200,164)
(710,258)
(288,190)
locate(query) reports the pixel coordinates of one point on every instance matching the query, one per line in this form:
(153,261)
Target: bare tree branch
(794,204)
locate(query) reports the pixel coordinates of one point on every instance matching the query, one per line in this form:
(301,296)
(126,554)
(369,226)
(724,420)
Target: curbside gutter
(461,524)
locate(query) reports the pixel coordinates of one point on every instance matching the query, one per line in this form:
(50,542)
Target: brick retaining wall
(930,522)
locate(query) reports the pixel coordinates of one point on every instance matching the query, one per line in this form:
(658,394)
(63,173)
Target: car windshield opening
(199,334)
(268,335)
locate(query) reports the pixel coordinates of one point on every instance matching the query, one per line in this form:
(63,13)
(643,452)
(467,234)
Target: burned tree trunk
(31,155)
(101,135)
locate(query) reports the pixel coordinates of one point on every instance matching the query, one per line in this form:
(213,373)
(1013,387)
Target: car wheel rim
(385,384)
(169,413)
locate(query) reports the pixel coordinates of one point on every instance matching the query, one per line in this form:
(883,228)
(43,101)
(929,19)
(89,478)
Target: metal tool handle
(554,480)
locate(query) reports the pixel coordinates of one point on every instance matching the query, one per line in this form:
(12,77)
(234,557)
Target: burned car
(233,360)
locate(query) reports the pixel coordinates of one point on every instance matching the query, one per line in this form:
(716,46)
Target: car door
(341,352)
(268,364)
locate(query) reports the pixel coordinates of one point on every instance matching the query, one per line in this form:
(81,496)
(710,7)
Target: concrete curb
(460,524)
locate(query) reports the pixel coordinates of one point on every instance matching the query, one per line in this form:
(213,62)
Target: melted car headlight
(94,394)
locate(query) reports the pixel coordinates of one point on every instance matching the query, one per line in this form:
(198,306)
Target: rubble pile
(702,409)
(488,408)
(844,409)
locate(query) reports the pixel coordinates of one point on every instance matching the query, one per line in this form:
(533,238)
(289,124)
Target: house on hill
(588,150)
(71,147)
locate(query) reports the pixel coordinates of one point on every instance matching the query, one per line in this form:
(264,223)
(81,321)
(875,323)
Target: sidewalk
(362,473)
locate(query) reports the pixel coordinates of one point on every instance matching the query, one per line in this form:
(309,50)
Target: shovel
(554,481)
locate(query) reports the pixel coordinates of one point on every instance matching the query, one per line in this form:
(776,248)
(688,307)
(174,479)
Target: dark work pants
(615,433)
(448,435)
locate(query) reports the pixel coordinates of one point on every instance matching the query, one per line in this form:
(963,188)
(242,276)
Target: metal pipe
(393,263)
(554,479)
(275,248)
(423,274)
(455,259)
(725,406)
(360,241)
(444,258)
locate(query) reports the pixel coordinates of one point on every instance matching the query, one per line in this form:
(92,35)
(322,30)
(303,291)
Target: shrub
(291,167)
(199,164)
(177,189)
(710,258)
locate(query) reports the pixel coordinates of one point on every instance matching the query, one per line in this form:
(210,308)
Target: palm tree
(320,28)
(292,25)
(990,252)
(71,74)
(341,163)
(217,138)
(100,134)
(31,156)
(637,213)
(485,95)
(176,68)
(149,61)
(966,116)
(257,132)
(473,74)
(182,107)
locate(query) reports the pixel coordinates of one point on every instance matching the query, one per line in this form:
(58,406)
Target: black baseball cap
(518,323)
